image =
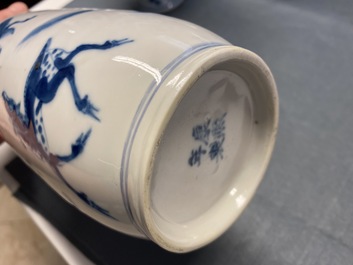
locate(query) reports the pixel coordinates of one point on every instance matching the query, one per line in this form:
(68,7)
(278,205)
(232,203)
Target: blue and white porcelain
(151,125)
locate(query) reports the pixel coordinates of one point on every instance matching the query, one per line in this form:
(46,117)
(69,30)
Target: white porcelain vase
(151,125)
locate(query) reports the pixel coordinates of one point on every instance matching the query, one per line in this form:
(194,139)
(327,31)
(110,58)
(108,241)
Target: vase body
(151,125)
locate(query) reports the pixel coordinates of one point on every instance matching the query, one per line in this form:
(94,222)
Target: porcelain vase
(150,125)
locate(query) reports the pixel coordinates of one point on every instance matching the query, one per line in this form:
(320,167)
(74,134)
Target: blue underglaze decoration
(43,83)
(52,67)
(212,135)
(202,132)
(140,112)
(216,150)
(52,22)
(91,203)
(6,28)
(77,147)
(196,154)
(16,107)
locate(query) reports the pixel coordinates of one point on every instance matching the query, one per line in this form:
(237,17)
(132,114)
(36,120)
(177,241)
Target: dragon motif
(51,68)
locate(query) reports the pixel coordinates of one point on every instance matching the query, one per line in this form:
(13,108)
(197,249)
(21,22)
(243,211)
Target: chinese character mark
(195,157)
(211,134)
(218,128)
(216,150)
(202,132)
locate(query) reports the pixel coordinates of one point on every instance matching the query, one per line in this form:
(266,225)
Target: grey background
(303,210)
